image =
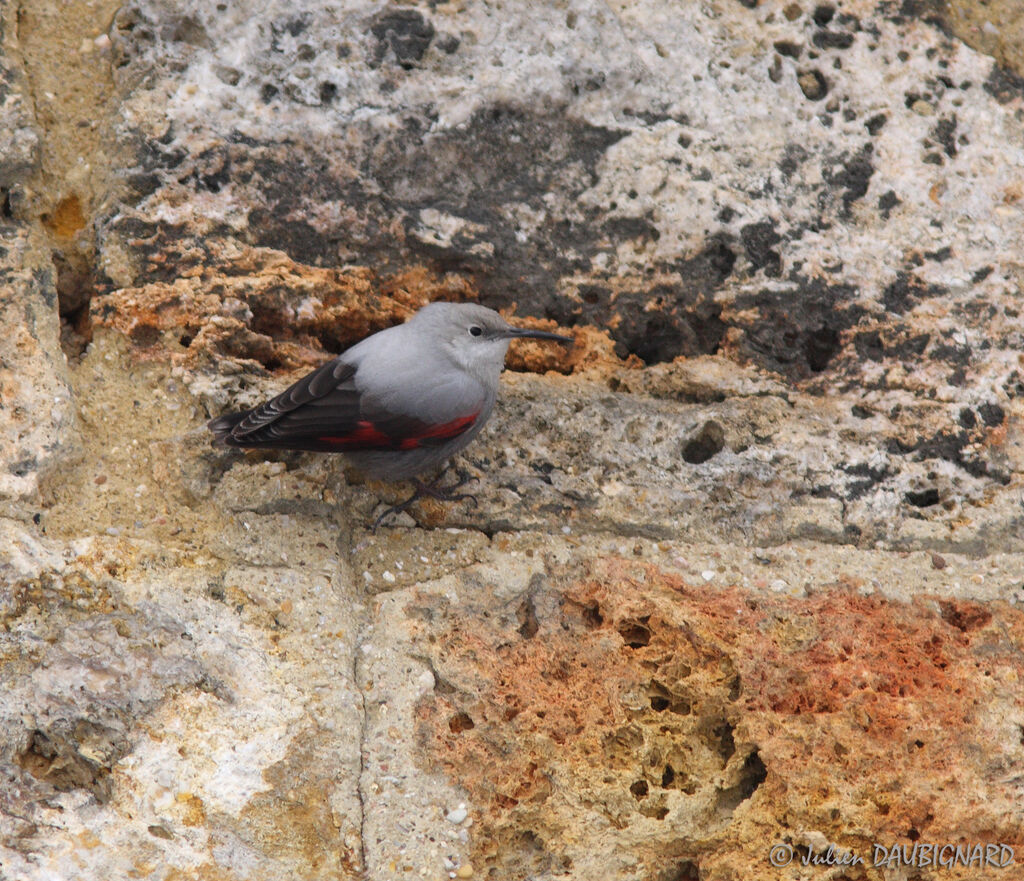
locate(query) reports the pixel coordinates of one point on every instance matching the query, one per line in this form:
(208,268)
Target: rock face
(37,416)
(36,411)
(741,586)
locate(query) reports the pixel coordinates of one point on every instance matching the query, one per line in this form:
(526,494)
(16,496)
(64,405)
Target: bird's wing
(328,389)
(325,411)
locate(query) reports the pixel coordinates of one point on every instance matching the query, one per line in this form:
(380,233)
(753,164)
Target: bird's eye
(475,330)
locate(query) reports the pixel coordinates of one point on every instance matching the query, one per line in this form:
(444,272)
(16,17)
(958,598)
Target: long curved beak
(526,333)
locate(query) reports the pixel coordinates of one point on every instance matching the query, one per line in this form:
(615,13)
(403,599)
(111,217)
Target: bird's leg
(431,490)
(447,493)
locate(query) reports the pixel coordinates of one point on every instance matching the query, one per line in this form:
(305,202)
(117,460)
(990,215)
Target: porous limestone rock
(671,178)
(36,413)
(19,136)
(745,565)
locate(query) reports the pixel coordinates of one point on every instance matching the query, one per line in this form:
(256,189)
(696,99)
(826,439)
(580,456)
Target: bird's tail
(222,427)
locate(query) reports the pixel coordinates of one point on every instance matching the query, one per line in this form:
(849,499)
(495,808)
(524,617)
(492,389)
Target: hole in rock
(655,812)
(820,347)
(59,761)
(686,871)
(724,742)
(75,283)
(577,613)
(461,722)
(753,775)
(635,632)
(823,14)
(527,616)
(662,699)
(708,442)
(924,498)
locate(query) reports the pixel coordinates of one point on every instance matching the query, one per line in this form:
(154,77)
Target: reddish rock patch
(257,304)
(702,724)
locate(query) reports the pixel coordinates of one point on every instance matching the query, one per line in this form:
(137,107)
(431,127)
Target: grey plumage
(400,402)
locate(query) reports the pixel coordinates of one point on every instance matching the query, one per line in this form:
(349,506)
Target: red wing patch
(368,436)
(438,432)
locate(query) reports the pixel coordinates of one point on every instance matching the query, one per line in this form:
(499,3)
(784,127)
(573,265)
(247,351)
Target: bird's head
(475,337)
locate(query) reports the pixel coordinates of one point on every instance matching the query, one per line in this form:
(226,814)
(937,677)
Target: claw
(462,497)
(394,509)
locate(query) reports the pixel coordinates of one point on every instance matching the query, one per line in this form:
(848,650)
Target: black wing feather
(324,402)
(325,381)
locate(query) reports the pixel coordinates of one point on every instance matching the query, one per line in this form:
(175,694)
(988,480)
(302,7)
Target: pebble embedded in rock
(457,815)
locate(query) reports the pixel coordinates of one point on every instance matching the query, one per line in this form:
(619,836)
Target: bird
(397,404)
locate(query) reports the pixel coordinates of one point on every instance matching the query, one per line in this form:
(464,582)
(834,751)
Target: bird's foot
(447,493)
(432,490)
